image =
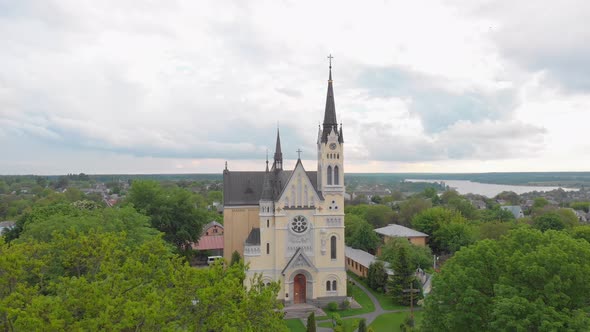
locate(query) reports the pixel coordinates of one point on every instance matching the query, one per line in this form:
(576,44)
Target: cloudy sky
(182,86)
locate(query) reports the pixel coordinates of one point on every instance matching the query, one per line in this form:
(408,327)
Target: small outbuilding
(398,231)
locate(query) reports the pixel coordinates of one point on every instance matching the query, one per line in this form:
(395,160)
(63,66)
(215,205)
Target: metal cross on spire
(330,57)
(299,153)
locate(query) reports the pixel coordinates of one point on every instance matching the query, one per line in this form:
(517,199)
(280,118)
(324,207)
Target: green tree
(448,230)
(377,276)
(547,221)
(351,224)
(379,215)
(311,325)
(452,236)
(171,211)
(214,196)
(582,206)
(235,258)
(403,282)
(364,237)
(494,230)
(4,188)
(410,208)
(509,196)
(418,256)
(526,281)
(540,202)
(101,281)
(362,325)
(496,214)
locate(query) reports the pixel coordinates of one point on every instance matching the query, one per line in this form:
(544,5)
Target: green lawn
(349,324)
(390,322)
(384,300)
(295,325)
(362,298)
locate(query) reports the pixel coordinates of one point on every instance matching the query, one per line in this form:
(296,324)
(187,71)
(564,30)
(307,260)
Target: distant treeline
(531,178)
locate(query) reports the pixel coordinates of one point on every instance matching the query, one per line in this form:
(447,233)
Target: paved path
(369,317)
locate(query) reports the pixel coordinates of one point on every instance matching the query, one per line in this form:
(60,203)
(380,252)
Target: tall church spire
(330,122)
(278,163)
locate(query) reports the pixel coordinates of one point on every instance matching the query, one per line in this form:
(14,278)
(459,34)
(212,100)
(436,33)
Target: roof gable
(299,259)
(299,190)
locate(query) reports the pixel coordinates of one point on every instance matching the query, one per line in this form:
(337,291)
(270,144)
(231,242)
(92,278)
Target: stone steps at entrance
(302,310)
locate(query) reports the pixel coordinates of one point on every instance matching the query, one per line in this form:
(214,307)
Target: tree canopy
(172,211)
(93,273)
(526,281)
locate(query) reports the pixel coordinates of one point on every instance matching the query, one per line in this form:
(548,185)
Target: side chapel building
(289,224)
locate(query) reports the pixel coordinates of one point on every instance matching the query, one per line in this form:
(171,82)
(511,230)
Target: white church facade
(289,224)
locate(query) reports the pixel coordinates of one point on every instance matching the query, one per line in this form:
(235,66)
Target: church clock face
(299,224)
(333,146)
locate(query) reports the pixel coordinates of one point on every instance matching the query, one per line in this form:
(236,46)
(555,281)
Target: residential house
(6,225)
(515,210)
(211,239)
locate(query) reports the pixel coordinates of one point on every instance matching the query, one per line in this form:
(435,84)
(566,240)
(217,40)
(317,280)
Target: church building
(289,224)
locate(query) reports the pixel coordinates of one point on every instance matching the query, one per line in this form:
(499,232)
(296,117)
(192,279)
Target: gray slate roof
(254,237)
(394,230)
(362,257)
(514,209)
(245,188)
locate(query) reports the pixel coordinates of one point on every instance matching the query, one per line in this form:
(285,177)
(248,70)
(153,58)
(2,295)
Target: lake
(488,189)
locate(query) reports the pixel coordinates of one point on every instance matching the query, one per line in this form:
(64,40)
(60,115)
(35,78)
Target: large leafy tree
(526,281)
(448,229)
(96,281)
(172,211)
(364,237)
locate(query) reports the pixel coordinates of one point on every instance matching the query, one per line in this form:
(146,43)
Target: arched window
(336,175)
(267,248)
(333,247)
(267,223)
(333,285)
(329,174)
(328,285)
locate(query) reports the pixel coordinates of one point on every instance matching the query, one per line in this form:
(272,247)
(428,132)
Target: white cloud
(184,81)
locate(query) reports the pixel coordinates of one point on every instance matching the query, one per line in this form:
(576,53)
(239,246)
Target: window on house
(329,174)
(328,285)
(267,248)
(333,247)
(267,223)
(333,285)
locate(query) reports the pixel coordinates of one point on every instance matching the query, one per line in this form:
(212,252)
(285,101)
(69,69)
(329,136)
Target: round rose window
(299,224)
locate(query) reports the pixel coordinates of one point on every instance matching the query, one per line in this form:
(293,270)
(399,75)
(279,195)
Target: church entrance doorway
(300,283)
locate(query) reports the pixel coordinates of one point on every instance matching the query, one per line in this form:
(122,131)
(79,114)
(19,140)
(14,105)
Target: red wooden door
(299,288)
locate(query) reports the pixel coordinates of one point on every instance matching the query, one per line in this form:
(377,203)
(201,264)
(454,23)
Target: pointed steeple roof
(267,192)
(330,112)
(278,158)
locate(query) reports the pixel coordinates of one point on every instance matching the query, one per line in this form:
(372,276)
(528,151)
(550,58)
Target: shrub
(332,306)
(345,304)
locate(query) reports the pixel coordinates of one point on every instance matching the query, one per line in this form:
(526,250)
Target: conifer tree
(403,282)
(311,323)
(362,326)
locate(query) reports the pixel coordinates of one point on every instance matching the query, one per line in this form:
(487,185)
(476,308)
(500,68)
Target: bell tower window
(336,175)
(329,171)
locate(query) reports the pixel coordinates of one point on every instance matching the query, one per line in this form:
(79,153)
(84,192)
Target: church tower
(331,149)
